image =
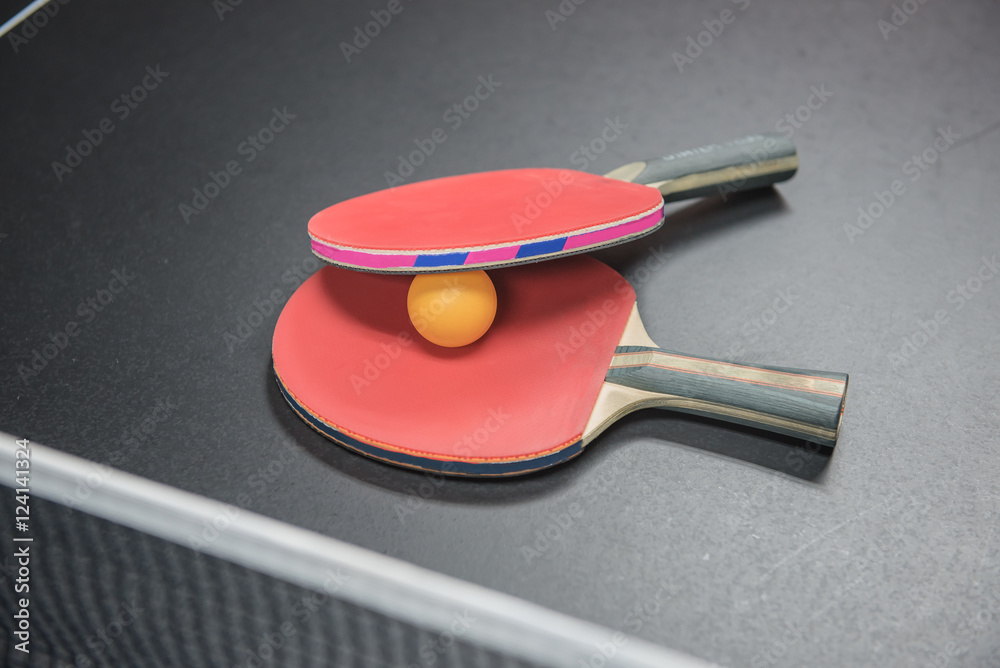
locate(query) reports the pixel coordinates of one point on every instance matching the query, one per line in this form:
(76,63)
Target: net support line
(21,15)
(390,586)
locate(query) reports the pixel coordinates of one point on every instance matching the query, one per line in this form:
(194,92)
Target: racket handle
(794,402)
(751,162)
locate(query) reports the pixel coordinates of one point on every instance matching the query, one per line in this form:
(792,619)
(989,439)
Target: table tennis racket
(567,356)
(502,218)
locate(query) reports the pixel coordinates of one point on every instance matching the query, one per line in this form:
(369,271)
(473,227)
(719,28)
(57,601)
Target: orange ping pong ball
(452,309)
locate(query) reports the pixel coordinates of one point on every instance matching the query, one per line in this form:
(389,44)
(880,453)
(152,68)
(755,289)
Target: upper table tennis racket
(501,218)
(566,357)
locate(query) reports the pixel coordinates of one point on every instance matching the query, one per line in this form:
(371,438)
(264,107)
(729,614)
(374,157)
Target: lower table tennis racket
(514,216)
(567,356)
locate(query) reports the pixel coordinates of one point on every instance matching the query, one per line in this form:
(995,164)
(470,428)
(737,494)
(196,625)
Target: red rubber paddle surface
(475,210)
(350,363)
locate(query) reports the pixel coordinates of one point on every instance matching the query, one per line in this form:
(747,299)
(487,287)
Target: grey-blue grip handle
(795,402)
(716,169)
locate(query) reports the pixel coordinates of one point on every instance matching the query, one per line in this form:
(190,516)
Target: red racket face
(351,365)
(484,220)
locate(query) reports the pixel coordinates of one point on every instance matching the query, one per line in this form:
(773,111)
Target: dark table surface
(721,542)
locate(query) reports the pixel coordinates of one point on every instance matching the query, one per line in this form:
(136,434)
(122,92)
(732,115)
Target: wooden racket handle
(742,164)
(795,402)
